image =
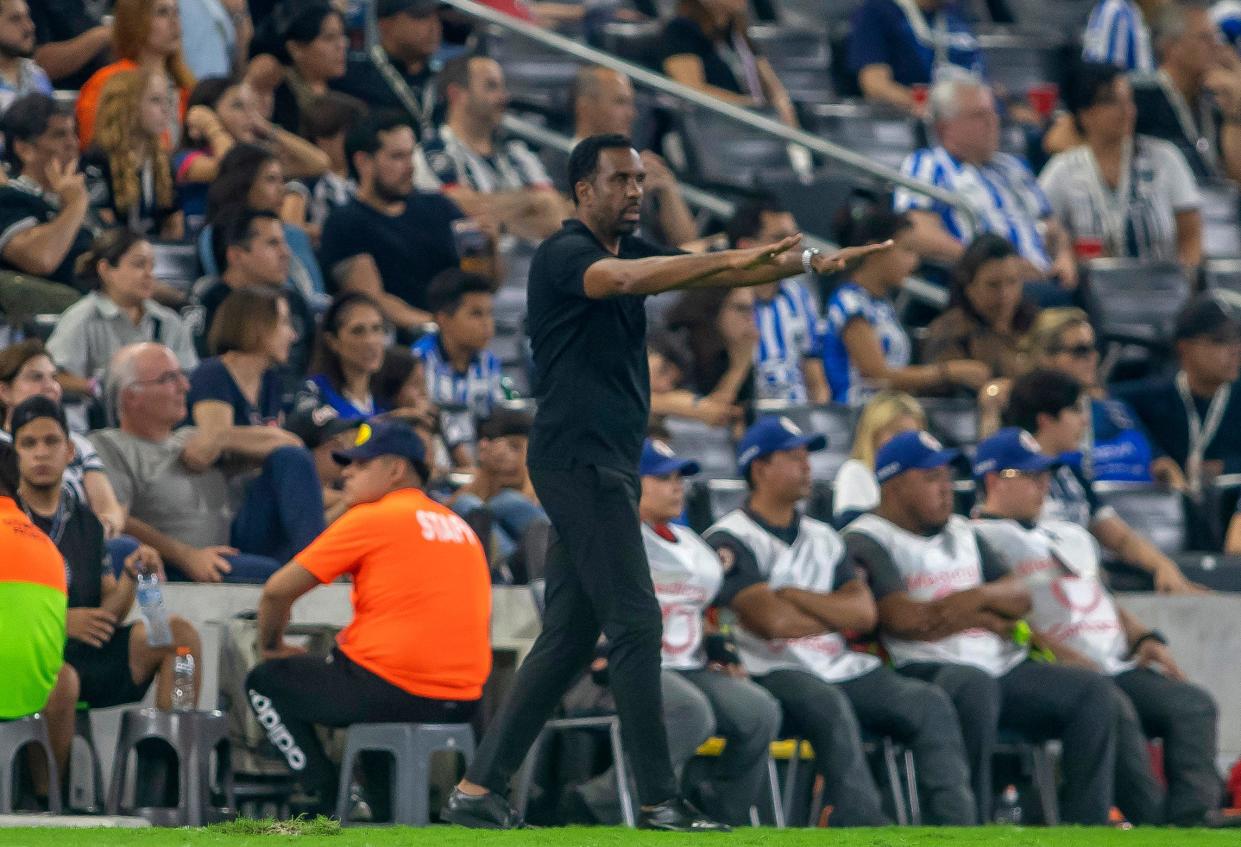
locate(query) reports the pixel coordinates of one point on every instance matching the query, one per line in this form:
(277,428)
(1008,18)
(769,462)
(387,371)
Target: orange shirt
(88,100)
(421,594)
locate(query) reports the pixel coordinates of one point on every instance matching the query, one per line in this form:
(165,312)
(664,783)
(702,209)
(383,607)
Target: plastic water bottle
(1008,809)
(151,603)
(183,681)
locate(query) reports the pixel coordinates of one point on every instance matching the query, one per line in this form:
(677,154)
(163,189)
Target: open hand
(828,263)
(749,258)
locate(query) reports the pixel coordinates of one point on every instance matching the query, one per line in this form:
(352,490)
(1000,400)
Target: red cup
(1088,247)
(921,92)
(1043,98)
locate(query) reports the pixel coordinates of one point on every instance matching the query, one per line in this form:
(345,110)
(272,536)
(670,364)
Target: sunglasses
(1077,351)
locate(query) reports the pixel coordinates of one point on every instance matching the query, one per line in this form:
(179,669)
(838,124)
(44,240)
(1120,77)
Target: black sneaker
(486,811)
(676,815)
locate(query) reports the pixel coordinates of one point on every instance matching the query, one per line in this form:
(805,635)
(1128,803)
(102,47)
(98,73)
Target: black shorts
(104,671)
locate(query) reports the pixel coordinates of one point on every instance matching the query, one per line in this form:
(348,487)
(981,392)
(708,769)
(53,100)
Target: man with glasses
(1075,616)
(177,494)
(1049,405)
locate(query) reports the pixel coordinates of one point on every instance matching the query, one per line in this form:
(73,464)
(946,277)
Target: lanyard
(1199,133)
(1113,206)
(1200,433)
(60,520)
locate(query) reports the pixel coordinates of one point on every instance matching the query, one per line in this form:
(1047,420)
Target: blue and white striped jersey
(1004,193)
(852,301)
(1227,17)
(1116,34)
(477,389)
(788,332)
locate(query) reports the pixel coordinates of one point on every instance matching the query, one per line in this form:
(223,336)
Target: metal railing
(834,152)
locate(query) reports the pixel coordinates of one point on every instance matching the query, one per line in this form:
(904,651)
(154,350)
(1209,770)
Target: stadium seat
(797,750)
(801,57)
(1018,61)
(1133,301)
(536,76)
(710,446)
(883,134)
(1223,275)
(640,42)
(1041,756)
(86,797)
(1221,234)
(725,495)
(816,204)
(953,421)
(595,723)
(1158,514)
(721,151)
(176,263)
(1056,15)
(15,737)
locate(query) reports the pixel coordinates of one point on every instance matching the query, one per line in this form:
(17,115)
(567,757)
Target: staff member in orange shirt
(418,648)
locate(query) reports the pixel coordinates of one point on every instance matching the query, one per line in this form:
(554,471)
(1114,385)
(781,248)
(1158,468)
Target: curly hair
(119,135)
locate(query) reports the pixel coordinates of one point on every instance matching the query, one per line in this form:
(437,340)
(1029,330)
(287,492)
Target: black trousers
(289,696)
(1039,701)
(598,580)
(1186,718)
(917,714)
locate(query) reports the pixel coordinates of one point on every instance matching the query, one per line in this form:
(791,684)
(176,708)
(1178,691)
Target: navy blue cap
(771,434)
(659,460)
(1011,449)
(384,438)
(911,451)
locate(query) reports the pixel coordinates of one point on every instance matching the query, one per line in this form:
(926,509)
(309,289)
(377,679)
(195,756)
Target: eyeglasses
(1077,351)
(166,378)
(1013,473)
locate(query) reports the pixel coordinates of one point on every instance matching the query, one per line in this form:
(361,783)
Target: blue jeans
(513,513)
(283,507)
(247,568)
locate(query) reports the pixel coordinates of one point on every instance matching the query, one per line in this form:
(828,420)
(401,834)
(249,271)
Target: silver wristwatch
(807,257)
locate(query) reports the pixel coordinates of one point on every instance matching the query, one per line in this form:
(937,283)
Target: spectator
(719,328)
(134,187)
(896,46)
(706,47)
(251,177)
(460,370)
(669,365)
(487,174)
(1132,195)
(389,241)
(114,661)
(501,483)
(117,312)
(33,590)
(1048,404)
(325,432)
(1117,34)
(240,386)
(418,648)
(309,40)
(1060,563)
(72,39)
(326,127)
(1195,99)
(400,384)
(222,30)
(865,348)
(947,607)
(705,690)
(253,253)
(147,34)
(603,103)
(997,187)
(1114,447)
(180,501)
(348,353)
(787,578)
(1193,417)
(855,489)
(1227,17)
(409,35)
(43,210)
(19,73)
(789,365)
(26,370)
(222,112)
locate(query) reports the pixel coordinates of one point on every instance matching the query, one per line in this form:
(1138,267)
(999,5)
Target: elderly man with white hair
(178,497)
(1000,189)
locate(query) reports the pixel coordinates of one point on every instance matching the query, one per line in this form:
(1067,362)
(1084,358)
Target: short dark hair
(298,21)
(33,408)
(876,224)
(109,246)
(330,114)
(235,228)
(25,120)
(584,160)
(1040,392)
(237,174)
(363,136)
(449,287)
(456,71)
(747,219)
(1087,83)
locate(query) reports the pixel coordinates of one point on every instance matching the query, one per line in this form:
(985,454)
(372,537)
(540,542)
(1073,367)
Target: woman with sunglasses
(1115,447)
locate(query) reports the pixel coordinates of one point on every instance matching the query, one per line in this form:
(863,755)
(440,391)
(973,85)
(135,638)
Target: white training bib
(933,568)
(687,576)
(809,563)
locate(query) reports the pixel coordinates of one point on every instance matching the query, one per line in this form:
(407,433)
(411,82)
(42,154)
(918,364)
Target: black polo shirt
(591,380)
(364,81)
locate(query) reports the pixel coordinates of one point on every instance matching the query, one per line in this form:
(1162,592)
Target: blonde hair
(119,135)
(882,411)
(1046,331)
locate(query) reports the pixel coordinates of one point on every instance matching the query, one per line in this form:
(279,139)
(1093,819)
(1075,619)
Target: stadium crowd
(262,293)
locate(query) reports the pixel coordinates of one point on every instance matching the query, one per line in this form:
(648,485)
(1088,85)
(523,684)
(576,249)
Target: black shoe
(1222,819)
(486,811)
(676,815)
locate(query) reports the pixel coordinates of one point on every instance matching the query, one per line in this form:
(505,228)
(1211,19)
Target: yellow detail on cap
(364,435)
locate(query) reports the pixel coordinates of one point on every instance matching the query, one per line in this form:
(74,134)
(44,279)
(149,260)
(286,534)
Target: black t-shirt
(873,559)
(78,535)
(212,381)
(300,315)
(1157,117)
(63,20)
(409,249)
(1161,411)
(364,81)
(148,219)
(683,36)
(22,209)
(591,380)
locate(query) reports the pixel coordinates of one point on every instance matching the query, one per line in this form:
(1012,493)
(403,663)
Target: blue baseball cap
(911,451)
(1011,449)
(385,438)
(771,434)
(659,460)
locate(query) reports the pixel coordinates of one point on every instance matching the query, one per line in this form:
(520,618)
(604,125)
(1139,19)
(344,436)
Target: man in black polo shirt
(588,335)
